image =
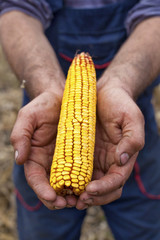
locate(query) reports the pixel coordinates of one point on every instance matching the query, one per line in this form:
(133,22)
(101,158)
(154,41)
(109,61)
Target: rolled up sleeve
(141,11)
(39,9)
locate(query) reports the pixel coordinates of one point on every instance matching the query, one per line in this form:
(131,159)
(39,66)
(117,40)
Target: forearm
(137,63)
(30,54)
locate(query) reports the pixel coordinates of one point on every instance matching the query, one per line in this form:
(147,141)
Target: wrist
(42,81)
(136,64)
(113,79)
(30,55)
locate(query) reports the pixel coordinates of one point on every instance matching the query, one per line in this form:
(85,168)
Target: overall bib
(135,215)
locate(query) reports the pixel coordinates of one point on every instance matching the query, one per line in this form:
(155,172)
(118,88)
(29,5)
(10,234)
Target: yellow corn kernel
(82,174)
(77,191)
(72,163)
(54,180)
(81,183)
(58,174)
(81,187)
(65,173)
(66,177)
(81,178)
(73,176)
(67,169)
(75,180)
(61,183)
(67,183)
(75,172)
(75,185)
(59,178)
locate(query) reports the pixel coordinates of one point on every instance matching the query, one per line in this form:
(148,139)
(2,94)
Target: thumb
(131,143)
(21,135)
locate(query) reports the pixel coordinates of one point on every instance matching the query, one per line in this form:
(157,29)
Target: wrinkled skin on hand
(120,129)
(34,137)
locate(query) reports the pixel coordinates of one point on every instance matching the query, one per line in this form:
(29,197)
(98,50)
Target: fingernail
(89,201)
(16,155)
(124,158)
(58,207)
(93,193)
(69,206)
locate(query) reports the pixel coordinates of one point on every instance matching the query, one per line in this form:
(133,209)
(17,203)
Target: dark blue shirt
(42,10)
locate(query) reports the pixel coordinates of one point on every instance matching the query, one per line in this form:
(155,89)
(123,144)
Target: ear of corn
(72,163)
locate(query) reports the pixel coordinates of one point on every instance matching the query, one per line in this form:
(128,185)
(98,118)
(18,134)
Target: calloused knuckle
(139,113)
(12,139)
(119,193)
(142,119)
(142,144)
(141,116)
(21,112)
(139,143)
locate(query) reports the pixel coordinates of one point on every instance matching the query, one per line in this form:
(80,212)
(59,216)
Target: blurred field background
(95,226)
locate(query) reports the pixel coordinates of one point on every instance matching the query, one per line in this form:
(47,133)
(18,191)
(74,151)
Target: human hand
(119,137)
(33,138)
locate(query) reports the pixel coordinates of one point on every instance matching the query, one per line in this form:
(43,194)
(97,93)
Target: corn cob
(72,164)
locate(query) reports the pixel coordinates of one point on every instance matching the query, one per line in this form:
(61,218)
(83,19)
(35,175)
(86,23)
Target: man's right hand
(34,134)
(33,138)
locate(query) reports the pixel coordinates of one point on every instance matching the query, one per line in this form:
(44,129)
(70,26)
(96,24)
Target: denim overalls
(136,215)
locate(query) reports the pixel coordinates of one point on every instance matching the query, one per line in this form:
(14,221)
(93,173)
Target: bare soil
(95,226)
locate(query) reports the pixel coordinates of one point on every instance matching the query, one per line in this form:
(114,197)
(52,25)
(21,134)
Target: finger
(43,157)
(71,200)
(109,183)
(90,200)
(132,139)
(21,135)
(38,181)
(81,205)
(114,179)
(59,203)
